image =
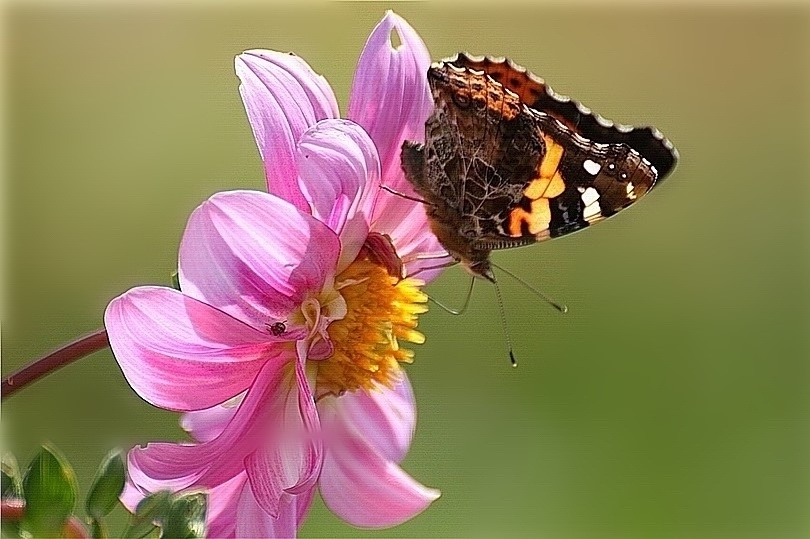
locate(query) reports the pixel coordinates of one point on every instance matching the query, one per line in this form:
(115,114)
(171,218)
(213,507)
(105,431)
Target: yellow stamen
(381,310)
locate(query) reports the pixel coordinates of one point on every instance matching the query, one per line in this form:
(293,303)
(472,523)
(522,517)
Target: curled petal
(140,484)
(292,462)
(255,256)
(168,465)
(221,509)
(205,425)
(283,97)
(223,506)
(179,353)
(385,418)
(367,490)
(340,178)
(254,522)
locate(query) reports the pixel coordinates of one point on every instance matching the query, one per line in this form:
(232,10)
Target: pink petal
(297,76)
(393,112)
(179,353)
(255,256)
(222,511)
(205,425)
(390,96)
(367,490)
(254,522)
(385,418)
(422,254)
(283,97)
(140,483)
(292,462)
(391,99)
(168,465)
(340,178)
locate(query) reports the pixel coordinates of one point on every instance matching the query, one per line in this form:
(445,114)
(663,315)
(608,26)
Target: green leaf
(107,486)
(185,519)
(12,479)
(150,509)
(176,280)
(50,490)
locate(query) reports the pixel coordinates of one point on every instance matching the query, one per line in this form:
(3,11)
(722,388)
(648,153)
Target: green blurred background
(672,400)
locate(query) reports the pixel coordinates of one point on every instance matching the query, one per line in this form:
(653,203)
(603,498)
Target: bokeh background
(672,401)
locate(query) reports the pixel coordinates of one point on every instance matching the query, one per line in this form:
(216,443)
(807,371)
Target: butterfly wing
(577,183)
(535,93)
(499,173)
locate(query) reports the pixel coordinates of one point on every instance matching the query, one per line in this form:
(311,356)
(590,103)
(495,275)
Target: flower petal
(390,96)
(391,99)
(253,521)
(255,256)
(205,425)
(385,418)
(222,511)
(179,353)
(340,178)
(367,490)
(139,485)
(422,254)
(282,97)
(292,462)
(168,465)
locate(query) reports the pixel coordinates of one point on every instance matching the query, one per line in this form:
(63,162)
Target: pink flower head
(283,348)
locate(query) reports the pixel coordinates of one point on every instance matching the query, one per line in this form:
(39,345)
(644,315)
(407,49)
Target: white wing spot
(591,167)
(591,200)
(589,196)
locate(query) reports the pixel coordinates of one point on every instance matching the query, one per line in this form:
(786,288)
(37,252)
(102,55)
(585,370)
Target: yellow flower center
(380,310)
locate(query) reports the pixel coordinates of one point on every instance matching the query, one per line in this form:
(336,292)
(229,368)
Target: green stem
(57,359)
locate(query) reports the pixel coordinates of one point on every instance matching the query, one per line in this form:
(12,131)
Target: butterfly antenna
(559,306)
(503,319)
(463,308)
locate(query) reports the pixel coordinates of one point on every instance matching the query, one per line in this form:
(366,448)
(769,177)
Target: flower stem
(57,359)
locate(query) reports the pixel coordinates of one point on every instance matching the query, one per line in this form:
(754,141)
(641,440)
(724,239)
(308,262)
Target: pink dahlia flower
(283,347)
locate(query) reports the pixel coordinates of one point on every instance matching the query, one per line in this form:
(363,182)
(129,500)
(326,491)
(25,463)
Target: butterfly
(508,162)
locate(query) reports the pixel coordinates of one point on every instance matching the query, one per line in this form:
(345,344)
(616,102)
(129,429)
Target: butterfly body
(497,173)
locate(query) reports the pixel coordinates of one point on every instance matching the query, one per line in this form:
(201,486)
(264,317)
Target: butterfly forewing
(534,92)
(502,166)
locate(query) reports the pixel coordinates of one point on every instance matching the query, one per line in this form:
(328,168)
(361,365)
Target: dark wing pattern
(535,93)
(507,162)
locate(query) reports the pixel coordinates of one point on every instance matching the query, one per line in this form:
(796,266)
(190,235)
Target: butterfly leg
(403,195)
(464,306)
(437,266)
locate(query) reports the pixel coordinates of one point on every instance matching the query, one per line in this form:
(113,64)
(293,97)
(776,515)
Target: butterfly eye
(461,100)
